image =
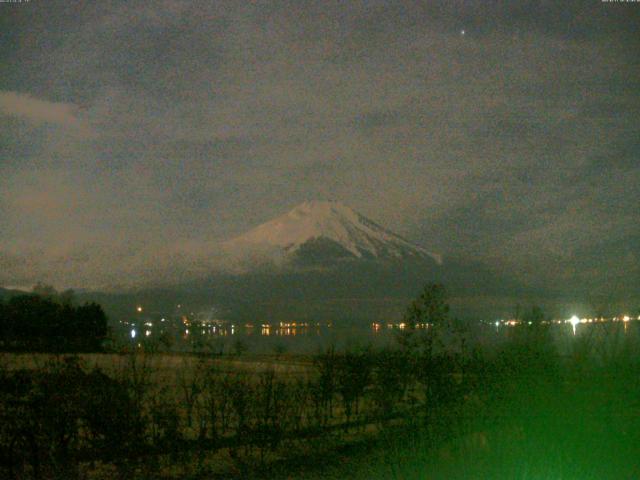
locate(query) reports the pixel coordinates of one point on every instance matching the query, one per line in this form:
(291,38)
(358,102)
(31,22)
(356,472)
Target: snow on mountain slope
(331,223)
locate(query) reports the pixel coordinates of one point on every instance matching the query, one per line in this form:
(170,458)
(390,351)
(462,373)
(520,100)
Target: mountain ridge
(328,229)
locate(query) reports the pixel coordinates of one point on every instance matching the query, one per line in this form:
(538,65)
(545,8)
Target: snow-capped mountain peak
(330,224)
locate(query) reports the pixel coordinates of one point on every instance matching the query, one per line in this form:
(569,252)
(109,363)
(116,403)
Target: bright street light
(574,321)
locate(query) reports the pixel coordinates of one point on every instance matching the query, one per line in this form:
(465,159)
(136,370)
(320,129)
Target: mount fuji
(323,232)
(321,261)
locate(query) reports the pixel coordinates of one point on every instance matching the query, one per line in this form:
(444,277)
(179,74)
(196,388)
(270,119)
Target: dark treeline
(45,321)
(517,409)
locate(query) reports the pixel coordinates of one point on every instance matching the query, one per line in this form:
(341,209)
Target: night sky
(504,133)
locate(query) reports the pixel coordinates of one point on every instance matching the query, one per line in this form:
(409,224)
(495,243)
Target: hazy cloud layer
(39,111)
(133,133)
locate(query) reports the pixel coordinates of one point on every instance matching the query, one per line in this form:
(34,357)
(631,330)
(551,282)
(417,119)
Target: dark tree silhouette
(35,323)
(429,308)
(533,316)
(353,376)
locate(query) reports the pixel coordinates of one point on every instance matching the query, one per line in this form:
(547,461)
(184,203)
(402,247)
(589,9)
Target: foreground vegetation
(48,321)
(439,404)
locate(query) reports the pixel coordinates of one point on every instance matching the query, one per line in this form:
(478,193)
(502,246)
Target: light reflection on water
(309,337)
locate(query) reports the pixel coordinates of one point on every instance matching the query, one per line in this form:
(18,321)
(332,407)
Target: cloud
(38,111)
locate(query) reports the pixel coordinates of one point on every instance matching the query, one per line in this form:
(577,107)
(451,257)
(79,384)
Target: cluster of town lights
(189,325)
(574,321)
(401,326)
(288,328)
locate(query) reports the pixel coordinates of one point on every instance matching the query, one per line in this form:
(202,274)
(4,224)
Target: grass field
(515,410)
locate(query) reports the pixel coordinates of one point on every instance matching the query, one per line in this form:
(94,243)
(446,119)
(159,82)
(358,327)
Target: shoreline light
(574,321)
